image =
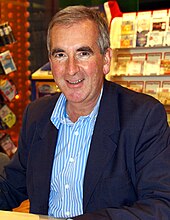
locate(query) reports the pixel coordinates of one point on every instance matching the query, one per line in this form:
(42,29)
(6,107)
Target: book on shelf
(134,68)
(143,28)
(128,29)
(159,20)
(137,86)
(128,23)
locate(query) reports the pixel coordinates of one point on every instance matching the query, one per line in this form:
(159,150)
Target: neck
(75,110)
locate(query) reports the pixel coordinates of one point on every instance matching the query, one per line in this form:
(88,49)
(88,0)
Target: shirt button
(67,213)
(71,160)
(67,186)
(76,133)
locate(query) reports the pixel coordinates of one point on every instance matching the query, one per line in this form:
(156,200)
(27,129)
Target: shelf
(141,76)
(142,48)
(42,75)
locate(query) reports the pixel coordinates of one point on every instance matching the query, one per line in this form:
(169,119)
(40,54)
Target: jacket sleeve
(16,177)
(152,174)
(13,179)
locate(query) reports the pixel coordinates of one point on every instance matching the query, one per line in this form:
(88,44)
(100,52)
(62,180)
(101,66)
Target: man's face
(77,65)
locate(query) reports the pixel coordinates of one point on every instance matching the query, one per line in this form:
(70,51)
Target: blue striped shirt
(72,148)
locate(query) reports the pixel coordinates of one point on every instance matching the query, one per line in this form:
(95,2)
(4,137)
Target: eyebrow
(57,50)
(87,49)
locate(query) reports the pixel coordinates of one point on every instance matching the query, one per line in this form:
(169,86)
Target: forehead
(80,23)
(84,31)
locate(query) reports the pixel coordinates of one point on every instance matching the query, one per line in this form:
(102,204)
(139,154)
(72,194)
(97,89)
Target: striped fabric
(72,148)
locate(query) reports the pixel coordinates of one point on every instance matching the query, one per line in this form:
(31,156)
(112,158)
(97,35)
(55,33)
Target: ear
(107,61)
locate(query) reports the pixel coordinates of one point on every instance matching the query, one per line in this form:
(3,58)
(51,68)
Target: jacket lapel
(44,149)
(104,141)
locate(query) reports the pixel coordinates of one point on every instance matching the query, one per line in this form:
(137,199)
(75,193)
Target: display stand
(141,62)
(16,14)
(43,82)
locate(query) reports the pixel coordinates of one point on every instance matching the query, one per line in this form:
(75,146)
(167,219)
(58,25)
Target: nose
(72,66)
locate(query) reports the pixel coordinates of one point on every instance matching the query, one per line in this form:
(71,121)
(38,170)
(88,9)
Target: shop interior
(25,74)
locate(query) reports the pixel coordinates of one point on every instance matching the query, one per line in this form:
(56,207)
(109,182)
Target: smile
(76,82)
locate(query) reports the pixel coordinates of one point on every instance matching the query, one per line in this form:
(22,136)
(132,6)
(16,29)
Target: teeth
(78,81)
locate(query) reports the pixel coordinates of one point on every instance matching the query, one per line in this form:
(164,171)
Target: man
(97,150)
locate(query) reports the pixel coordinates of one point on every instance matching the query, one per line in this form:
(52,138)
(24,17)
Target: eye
(83,54)
(58,55)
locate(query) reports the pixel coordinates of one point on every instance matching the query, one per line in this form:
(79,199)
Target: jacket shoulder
(42,106)
(130,96)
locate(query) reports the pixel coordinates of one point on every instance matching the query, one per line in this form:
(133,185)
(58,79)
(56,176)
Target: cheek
(93,69)
(57,69)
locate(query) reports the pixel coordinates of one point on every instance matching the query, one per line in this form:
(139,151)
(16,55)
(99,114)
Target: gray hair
(72,14)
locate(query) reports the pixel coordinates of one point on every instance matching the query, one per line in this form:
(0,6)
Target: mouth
(75,82)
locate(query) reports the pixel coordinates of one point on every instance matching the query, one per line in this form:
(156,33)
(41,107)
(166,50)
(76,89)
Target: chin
(75,99)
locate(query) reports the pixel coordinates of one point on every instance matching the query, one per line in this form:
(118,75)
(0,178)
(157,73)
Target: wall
(128,5)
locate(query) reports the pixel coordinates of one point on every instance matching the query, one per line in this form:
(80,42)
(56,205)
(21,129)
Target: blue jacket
(127,174)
